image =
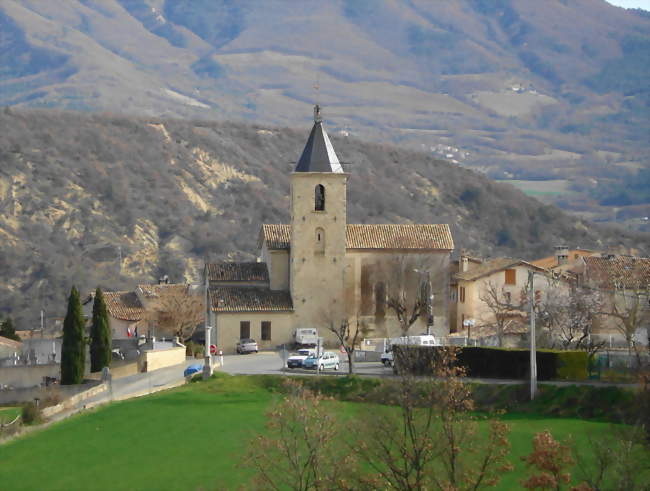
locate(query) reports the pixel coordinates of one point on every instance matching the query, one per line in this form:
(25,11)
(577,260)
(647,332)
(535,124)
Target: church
(318,270)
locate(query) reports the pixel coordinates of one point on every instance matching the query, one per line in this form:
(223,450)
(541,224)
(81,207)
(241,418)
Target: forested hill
(110,201)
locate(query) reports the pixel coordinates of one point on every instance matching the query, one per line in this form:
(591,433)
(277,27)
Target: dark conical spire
(319,154)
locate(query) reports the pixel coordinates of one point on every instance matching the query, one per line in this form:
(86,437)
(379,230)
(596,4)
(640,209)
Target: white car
(326,360)
(295,360)
(387,358)
(246,345)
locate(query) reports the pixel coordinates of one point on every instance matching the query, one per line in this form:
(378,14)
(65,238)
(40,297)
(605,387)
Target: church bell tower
(318,231)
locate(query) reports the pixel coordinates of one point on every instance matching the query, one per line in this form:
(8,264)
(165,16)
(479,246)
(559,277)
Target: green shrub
(572,365)
(30,413)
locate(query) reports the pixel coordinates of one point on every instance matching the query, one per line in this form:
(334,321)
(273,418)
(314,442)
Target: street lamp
(468,323)
(430,297)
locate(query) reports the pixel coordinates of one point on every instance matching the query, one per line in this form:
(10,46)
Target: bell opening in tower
(319,198)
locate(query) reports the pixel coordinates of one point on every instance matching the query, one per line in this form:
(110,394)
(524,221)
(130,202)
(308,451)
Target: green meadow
(7,414)
(192,437)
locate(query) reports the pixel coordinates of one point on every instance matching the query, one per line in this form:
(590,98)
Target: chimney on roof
(463,264)
(164,280)
(561,254)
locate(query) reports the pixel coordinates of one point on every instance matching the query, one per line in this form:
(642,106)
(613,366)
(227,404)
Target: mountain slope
(518,89)
(109,200)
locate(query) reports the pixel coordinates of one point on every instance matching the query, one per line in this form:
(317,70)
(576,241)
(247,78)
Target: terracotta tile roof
(276,236)
(629,271)
(493,266)
(397,236)
(152,291)
(124,305)
(251,271)
(249,299)
(10,343)
(551,261)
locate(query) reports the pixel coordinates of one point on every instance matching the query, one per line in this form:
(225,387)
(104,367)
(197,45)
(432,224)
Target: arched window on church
(320,240)
(319,198)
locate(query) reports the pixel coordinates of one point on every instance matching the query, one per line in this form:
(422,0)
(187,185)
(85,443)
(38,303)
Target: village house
(492,295)
(318,270)
(624,284)
(133,314)
(564,259)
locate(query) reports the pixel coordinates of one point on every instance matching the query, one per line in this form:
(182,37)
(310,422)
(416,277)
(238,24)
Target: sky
(632,4)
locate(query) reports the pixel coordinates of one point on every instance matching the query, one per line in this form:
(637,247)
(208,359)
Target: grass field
(192,437)
(8,414)
(549,188)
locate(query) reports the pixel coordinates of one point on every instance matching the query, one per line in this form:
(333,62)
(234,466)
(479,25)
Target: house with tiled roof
(624,283)
(127,310)
(318,270)
(564,259)
(481,290)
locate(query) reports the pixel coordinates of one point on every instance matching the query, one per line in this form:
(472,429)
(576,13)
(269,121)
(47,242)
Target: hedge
(498,362)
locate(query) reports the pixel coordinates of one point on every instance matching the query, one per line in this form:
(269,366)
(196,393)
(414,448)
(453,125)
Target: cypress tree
(73,351)
(100,335)
(7,330)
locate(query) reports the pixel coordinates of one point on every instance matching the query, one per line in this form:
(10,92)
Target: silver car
(246,345)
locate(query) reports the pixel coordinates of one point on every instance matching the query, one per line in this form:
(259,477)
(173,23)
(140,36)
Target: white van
(305,336)
(420,340)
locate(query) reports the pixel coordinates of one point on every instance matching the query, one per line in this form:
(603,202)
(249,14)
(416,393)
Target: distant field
(551,188)
(192,437)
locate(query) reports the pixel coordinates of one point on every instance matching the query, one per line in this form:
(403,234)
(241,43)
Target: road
(270,362)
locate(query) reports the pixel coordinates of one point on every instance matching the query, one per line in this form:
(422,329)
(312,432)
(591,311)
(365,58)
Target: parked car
(192,369)
(296,359)
(325,361)
(246,345)
(387,358)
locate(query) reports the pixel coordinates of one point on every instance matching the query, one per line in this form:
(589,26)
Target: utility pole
(207,365)
(533,347)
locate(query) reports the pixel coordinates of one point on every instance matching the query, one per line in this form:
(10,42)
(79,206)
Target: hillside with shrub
(553,91)
(110,201)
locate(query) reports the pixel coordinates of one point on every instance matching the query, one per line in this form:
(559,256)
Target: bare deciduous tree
(348,335)
(568,315)
(629,306)
(407,279)
(615,460)
(431,439)
(299,452)
(176,310)
(506,309)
